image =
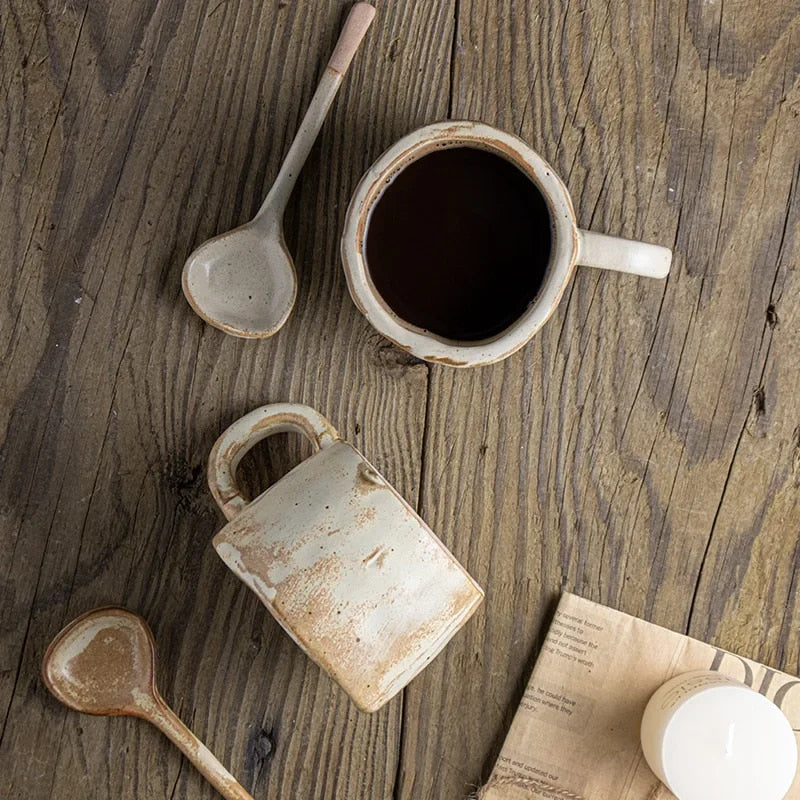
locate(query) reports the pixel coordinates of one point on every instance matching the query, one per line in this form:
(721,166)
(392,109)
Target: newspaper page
(576,732)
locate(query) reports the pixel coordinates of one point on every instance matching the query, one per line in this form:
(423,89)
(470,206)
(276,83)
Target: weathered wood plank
(147,129)
(643,449)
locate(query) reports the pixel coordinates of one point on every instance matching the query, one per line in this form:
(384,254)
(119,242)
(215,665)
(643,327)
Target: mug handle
(623,255)
(231,447)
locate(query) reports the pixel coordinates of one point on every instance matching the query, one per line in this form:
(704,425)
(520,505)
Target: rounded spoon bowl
(242,282)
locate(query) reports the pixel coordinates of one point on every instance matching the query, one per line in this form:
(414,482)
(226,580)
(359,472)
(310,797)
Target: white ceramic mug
(341,560)
(570,245)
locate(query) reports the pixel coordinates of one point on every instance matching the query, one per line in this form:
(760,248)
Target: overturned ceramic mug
(460,241)
(342,561)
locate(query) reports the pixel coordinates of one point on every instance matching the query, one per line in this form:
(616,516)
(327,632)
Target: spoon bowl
(242,282)
(103,663)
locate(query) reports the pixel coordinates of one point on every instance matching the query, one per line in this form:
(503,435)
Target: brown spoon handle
(358,21)
(355,26)
(165,719)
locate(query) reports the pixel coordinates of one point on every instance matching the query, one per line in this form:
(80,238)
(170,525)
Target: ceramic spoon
(243,281)
(104,663)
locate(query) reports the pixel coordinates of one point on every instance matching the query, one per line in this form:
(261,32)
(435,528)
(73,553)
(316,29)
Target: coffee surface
(458,243)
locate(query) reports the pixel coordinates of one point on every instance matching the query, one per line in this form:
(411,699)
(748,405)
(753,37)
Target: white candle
(708,737)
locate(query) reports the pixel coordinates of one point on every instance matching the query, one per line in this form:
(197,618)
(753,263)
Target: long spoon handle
(356,25)
(165,719)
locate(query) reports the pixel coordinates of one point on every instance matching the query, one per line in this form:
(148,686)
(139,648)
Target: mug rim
(425,344)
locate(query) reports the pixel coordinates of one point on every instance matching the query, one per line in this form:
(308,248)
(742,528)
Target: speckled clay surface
(243,281)
(341,560)
(571,245)
(104,663)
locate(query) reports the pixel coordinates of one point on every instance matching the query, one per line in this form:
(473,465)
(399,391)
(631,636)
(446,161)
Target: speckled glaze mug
(340,559)
(569,245)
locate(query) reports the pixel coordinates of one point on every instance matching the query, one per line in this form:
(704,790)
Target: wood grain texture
(643,450)
(136,133)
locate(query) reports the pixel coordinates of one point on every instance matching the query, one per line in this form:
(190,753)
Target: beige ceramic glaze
(571,245)
(344,564)
(104,663)
(243,281)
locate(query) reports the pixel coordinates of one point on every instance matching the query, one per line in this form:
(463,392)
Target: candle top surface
(728,742)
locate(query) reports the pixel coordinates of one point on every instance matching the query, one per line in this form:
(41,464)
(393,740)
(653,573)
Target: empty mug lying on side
(341,560)
(460,241)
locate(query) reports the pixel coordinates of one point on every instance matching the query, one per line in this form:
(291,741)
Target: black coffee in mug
(458,243)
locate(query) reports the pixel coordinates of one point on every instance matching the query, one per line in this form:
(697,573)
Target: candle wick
(729,740)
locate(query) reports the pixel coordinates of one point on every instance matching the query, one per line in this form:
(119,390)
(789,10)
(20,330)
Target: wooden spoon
(243,281)
(104,663)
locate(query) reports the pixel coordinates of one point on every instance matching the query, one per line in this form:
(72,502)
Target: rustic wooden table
(643,450)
